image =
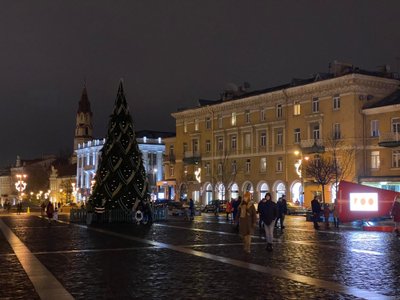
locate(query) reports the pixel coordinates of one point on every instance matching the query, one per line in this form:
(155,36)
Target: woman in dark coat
(268,211)
(396,215)
(50,211)
(247,219)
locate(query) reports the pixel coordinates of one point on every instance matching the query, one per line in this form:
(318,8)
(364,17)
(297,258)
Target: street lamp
(20,185)
(74,191)
(155,183)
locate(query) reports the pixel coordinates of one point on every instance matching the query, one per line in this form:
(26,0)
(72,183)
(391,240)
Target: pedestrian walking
(316,211)
(260,222)
(43,209)
(7,205)
(327,212)
(247,219)
(228,209)
(235,209)
(19,208)
(335,214)
(55,214)
(395,213)
(89,212)
(50,211)
(216,207)
(268,211)
(282,212)
(191,209)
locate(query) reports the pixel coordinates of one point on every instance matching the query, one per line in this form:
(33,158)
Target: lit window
(263,164)
(171,171)
(396,159)
(315,105)
(185,126)
(296,108)
(196,124)
(375,160)
(233,119)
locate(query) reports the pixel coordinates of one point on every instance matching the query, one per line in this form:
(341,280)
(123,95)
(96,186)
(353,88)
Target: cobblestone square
(202,259)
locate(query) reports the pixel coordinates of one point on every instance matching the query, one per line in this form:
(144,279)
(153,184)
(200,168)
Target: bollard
(28,211)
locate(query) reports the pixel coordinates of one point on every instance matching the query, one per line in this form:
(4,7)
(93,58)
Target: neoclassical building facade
(258,141)
(89,153)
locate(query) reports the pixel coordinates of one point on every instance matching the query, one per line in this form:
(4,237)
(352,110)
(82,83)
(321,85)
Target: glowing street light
(20,185)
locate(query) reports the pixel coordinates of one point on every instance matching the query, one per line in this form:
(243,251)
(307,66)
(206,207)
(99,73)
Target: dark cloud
(170,53)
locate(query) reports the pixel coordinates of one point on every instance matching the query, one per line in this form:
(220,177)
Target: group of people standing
(49,210)
(325,209)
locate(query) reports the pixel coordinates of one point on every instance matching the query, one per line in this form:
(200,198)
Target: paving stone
(95,265)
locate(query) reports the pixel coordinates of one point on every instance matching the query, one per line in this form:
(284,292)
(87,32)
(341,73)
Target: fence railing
(159,213)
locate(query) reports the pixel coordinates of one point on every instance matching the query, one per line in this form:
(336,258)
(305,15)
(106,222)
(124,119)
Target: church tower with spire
(84,128)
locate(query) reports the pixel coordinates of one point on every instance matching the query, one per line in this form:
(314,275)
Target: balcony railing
(389,139)
(169,158)
(312,146)
(191,157)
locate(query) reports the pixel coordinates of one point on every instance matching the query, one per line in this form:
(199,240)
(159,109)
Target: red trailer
(361,202)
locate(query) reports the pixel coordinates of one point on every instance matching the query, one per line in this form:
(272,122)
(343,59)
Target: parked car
(293,209)
(209,208)
(176,208)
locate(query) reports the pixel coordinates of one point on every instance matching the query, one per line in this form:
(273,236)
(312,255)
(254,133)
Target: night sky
(170,54)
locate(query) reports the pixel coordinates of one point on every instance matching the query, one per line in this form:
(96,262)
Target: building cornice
(352,83)
(382,109)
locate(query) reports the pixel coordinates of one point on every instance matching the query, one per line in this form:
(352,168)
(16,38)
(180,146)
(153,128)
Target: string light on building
(299,167)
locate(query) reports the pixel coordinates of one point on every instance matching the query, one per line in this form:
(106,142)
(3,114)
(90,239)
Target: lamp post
(155,183)
(20,185)
(74,192)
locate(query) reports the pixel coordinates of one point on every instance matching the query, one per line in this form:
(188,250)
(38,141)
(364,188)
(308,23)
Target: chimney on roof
(338,68)
(384,69)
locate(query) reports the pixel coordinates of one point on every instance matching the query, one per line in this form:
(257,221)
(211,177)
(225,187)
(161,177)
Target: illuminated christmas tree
(120,180)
